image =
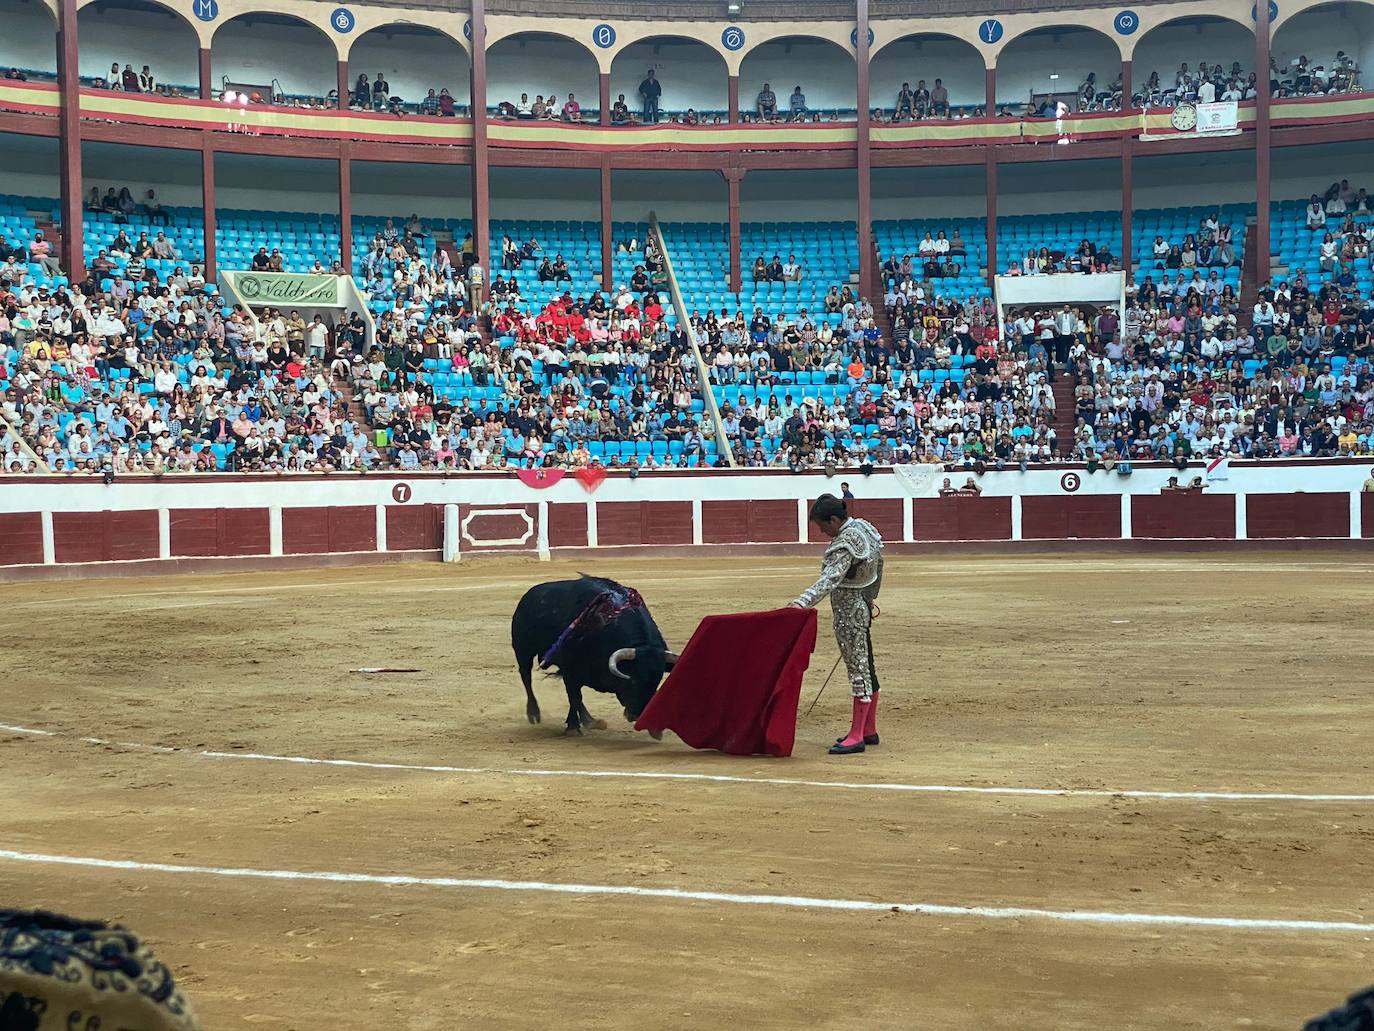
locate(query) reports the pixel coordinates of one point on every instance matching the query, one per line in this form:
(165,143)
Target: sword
(824,686)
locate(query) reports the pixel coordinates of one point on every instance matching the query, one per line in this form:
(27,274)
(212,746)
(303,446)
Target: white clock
(1184,117)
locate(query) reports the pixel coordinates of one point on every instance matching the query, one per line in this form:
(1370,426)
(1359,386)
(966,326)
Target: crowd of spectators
(938,256)
(133,372)
(1087,258)
(915,402)
(376,95)
(1195,259)
(161,377)
(794,109)
(1345,235)
(557,381)
(1302,78)
(130,81)
(1194,375)
(542,109)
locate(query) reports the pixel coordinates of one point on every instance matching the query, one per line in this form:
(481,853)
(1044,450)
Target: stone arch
(1349,23)
(805,60)
(414,59)
(139,32)
(1054,61)
(694,74)
(539,63)
(928,55)
(1190,40)
(29,42)
(264,49)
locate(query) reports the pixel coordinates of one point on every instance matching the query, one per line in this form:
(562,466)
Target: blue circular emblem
(990,30)
(732,38)
(342,19)
(854,37)
(1126,22)
(205,10)
(604,36)
(1273,12)
(467,30)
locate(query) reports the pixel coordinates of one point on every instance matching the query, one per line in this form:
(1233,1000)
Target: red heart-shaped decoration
(591,476)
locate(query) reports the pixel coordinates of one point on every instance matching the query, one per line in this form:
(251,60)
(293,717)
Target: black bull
(599,634)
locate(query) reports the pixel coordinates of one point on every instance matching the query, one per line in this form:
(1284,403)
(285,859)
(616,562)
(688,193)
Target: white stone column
(164,533)
(274,545)
(49,543)
(452,535)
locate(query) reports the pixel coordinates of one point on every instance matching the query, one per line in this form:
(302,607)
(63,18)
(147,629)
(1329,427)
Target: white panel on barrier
(497,542)
(451,534)
(1066,288)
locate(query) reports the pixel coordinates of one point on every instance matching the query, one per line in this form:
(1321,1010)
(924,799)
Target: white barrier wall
(60,521)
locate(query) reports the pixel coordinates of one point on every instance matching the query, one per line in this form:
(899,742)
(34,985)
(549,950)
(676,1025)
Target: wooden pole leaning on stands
(708,398)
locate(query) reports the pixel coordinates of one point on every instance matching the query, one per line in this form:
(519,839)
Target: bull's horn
(617,657)
(670,658)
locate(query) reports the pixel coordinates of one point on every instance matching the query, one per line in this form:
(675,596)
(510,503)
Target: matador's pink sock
(871,717)
(856,728)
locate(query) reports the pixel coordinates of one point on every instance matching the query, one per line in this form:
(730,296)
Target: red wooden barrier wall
(644,522)
(318,531)
(961,519)
(104,536)
(1081,516)
(567,525)
(198,532)
(21,538)
(1297,515)
(884,513)
(749,522)
(1181,514)
(414,527)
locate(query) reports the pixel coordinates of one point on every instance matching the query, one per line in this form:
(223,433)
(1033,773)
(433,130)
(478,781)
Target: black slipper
(869,739)
(839,749)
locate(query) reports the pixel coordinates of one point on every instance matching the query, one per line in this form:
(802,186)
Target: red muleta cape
(736,686)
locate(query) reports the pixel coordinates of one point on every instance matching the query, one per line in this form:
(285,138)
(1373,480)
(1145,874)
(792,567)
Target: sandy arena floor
(1236,675)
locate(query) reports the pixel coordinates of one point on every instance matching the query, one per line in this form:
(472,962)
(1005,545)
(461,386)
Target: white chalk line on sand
(1029,565)
(716,778)
(418,584)
(684,895)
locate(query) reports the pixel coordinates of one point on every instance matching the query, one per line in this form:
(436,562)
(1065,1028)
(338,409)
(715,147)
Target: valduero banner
(282,288)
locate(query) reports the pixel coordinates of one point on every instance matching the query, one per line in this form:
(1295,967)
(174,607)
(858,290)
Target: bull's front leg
(588,720)
(575,708)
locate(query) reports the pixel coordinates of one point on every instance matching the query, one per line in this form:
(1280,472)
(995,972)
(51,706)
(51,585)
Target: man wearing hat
(58,973)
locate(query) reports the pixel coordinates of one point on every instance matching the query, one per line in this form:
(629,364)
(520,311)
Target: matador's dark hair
(828,507)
